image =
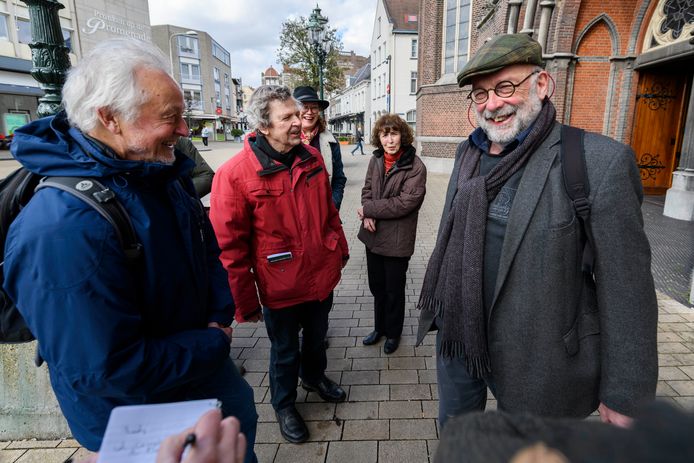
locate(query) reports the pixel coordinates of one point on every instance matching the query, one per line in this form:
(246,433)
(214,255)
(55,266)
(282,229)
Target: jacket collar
(270,166)
(406,159)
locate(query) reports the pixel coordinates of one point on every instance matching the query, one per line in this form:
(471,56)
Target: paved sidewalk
(390,414)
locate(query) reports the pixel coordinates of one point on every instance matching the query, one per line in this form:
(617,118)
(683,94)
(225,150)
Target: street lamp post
(188,111)
(49,55)
(319,39)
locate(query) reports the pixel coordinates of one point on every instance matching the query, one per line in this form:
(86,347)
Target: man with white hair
(114,331)
(283,247)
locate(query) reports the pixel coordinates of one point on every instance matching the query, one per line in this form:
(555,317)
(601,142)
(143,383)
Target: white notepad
(134,432)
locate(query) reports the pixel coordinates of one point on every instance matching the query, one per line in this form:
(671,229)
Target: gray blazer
(558,344)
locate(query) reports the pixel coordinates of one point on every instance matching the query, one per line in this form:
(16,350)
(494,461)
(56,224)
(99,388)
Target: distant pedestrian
(509,284)
(392,195)
(359,140)
(205,133)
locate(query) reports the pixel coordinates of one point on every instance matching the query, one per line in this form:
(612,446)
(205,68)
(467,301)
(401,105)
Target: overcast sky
(249,29)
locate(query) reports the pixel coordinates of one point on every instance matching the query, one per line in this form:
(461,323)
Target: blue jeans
(358,147)
(458,391)
(286,358)
(227,385)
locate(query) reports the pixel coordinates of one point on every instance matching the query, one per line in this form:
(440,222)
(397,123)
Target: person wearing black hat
(516,310)
(314,133)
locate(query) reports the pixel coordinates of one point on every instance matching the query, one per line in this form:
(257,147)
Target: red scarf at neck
(306,139)
(391,159)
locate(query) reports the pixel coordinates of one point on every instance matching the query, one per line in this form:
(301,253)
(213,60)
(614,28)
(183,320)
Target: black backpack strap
(573,164)
(104,201)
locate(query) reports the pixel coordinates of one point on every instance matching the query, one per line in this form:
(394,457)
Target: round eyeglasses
(310,108)
(503,89)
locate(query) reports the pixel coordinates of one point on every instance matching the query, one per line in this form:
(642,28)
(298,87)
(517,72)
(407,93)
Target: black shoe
(371,338)
(391,345)
(327,389)
(292,426)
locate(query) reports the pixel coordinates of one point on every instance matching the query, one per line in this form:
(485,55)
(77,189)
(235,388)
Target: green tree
(297,53)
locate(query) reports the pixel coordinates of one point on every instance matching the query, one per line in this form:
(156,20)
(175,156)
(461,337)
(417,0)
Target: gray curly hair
(259,104)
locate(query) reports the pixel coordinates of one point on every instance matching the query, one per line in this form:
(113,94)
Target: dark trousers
(287,358)
(204,141)
(228,386)
(459,392)
(387,278)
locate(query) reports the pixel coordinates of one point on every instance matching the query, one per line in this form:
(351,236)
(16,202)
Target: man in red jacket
(283,248)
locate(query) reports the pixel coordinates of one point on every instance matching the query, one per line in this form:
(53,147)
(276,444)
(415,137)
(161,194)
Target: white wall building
(350,108)
(394,44)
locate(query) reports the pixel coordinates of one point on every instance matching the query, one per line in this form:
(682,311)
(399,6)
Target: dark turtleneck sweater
(287,158)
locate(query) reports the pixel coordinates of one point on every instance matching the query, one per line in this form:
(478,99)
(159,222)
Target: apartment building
(203,69)
(394,55)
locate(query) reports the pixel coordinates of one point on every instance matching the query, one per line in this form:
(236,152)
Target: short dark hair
(394,123)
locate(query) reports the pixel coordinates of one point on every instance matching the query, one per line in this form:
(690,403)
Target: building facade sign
(115,25)
(98,20)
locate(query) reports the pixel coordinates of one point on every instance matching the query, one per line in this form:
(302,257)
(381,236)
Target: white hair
(259,105)
(105,78)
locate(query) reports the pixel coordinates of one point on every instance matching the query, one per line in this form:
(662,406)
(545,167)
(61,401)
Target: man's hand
(216,441)
(227,330)
(607,415)
(360,213)
(370,224)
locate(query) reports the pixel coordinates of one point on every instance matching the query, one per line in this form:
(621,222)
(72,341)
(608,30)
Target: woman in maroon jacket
(392,195)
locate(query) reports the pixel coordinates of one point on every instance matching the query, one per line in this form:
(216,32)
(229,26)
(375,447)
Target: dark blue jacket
(114,332)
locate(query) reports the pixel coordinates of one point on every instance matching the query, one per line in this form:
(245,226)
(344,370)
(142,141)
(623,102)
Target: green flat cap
(499,52)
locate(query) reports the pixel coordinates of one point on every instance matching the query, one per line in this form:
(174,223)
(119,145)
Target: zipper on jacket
(291,172)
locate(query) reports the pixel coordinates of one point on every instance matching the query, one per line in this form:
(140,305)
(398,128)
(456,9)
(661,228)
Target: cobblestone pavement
(390,414)
(672,246)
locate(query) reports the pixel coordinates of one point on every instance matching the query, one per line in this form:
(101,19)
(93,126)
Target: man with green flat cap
(518,306)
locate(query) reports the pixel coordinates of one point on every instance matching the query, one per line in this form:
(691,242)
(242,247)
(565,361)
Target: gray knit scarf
(452,285)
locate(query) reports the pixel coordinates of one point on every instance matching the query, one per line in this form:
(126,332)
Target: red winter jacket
(260,208)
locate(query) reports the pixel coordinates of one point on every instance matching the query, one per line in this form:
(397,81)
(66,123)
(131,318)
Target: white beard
(525,114)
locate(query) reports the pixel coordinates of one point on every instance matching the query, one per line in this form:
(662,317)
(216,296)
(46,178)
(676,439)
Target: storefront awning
(9,89)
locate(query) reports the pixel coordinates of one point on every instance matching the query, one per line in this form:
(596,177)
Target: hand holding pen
(212,440)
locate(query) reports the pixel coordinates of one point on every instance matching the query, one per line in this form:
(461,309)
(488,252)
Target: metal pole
(320,71)
(49,55)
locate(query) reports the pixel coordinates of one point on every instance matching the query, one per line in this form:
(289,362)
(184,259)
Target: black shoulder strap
(104,201)
(573,164)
